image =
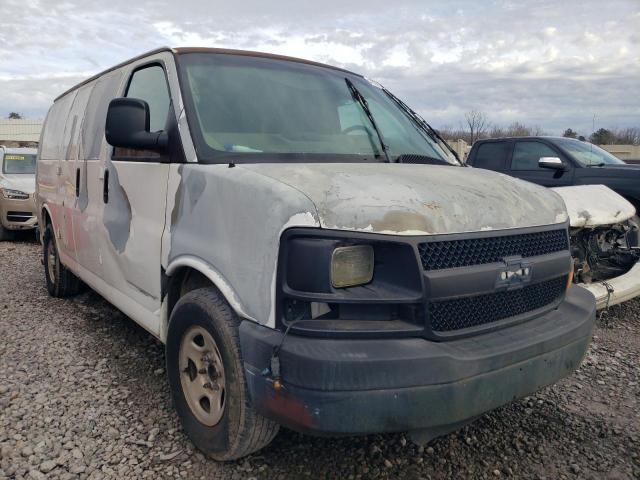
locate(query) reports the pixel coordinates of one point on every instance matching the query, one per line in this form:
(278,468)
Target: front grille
(19,216)
(448,315)
(476,251)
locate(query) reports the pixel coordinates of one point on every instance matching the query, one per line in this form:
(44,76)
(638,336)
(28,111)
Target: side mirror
(554,163)
(128,125)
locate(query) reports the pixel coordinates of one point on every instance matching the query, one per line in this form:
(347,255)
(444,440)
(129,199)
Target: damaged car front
(604,232)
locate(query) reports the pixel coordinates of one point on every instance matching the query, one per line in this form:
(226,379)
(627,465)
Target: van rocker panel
(343,387)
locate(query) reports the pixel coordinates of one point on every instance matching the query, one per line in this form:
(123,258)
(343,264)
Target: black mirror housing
(127,125)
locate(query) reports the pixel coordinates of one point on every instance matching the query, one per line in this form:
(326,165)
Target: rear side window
(93,126)
(150,84)
(74,120)
(53,146)
(527,154)
(492,155)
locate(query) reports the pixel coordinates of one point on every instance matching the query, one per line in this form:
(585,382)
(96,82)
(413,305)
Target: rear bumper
(625,287)
(341,387)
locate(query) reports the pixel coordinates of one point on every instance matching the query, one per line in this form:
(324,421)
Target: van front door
(134,196)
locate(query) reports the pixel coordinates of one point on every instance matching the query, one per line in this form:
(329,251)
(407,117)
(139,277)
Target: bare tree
(497,132)
(627,136)
(477,124)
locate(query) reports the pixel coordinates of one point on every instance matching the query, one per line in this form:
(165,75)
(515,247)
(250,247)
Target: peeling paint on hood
(407,199)
(594,205)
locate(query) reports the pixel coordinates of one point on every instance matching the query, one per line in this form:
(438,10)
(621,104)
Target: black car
(557,162)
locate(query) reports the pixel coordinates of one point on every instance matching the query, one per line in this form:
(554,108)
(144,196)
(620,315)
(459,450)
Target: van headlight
(351,266)
(14,194)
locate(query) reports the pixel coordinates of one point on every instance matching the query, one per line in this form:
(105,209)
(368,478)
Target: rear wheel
(60,281)
(206,376)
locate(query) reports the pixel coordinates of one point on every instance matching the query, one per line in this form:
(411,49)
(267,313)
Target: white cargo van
(306,247)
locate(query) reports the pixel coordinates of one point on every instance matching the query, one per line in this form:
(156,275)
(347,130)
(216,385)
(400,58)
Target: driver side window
(527,154)
(148,84)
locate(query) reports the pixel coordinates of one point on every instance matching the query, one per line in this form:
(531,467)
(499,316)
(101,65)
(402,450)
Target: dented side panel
(230,220)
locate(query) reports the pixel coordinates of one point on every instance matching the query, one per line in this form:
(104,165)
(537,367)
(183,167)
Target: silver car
(17,187)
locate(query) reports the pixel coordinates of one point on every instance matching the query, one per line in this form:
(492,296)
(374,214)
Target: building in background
(20,133)
(624,152)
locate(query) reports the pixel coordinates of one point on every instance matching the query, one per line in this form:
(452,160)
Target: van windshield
(16,163)
(247,108)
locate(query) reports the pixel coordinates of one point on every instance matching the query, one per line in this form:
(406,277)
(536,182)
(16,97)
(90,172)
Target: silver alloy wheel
(51,262)
(202,375)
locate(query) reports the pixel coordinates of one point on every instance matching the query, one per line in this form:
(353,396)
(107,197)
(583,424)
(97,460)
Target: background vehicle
(575,163)
(17,187)
(265,217)
(604,233)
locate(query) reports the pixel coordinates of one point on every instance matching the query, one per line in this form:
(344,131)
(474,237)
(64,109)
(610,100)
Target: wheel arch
(187,273)
(46,218)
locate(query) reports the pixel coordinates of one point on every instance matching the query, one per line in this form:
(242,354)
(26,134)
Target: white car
(604,242)
(306,247)
(17,188)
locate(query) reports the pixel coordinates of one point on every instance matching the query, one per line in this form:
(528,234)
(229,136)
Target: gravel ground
(83,394)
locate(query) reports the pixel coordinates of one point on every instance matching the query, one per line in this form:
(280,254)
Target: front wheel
(206,376)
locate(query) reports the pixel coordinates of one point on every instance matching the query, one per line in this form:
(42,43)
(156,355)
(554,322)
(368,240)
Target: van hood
(409,199)
(23,182)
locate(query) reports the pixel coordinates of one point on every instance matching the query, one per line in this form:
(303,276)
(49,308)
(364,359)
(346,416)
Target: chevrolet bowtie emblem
(516,272)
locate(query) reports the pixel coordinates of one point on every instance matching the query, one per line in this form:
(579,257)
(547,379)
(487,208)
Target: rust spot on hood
(400,221)
(432,206)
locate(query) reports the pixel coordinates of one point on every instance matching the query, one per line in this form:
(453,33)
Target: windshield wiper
(601,164)
(358,97)
(422,123)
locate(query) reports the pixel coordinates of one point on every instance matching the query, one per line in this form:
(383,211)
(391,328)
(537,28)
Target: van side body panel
(231,220)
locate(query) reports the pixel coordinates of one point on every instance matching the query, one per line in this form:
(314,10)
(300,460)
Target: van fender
(46,209)
(214,276)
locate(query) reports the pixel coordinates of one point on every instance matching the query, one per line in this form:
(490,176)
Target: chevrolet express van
(305,246)
(17,190)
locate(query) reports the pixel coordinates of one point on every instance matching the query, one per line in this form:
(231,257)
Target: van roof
(180,50)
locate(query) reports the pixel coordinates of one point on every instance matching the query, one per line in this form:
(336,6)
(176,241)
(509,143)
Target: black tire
(240,430)
(5,234)
(60,281)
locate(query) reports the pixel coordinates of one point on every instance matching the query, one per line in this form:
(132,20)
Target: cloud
(555,64)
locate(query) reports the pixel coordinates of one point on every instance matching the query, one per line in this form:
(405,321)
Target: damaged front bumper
(362,386)
(616,290)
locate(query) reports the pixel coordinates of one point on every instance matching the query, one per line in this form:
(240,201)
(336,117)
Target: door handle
(105,187)
(77,182)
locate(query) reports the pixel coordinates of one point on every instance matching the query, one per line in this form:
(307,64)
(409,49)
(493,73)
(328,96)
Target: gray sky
(555,64)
